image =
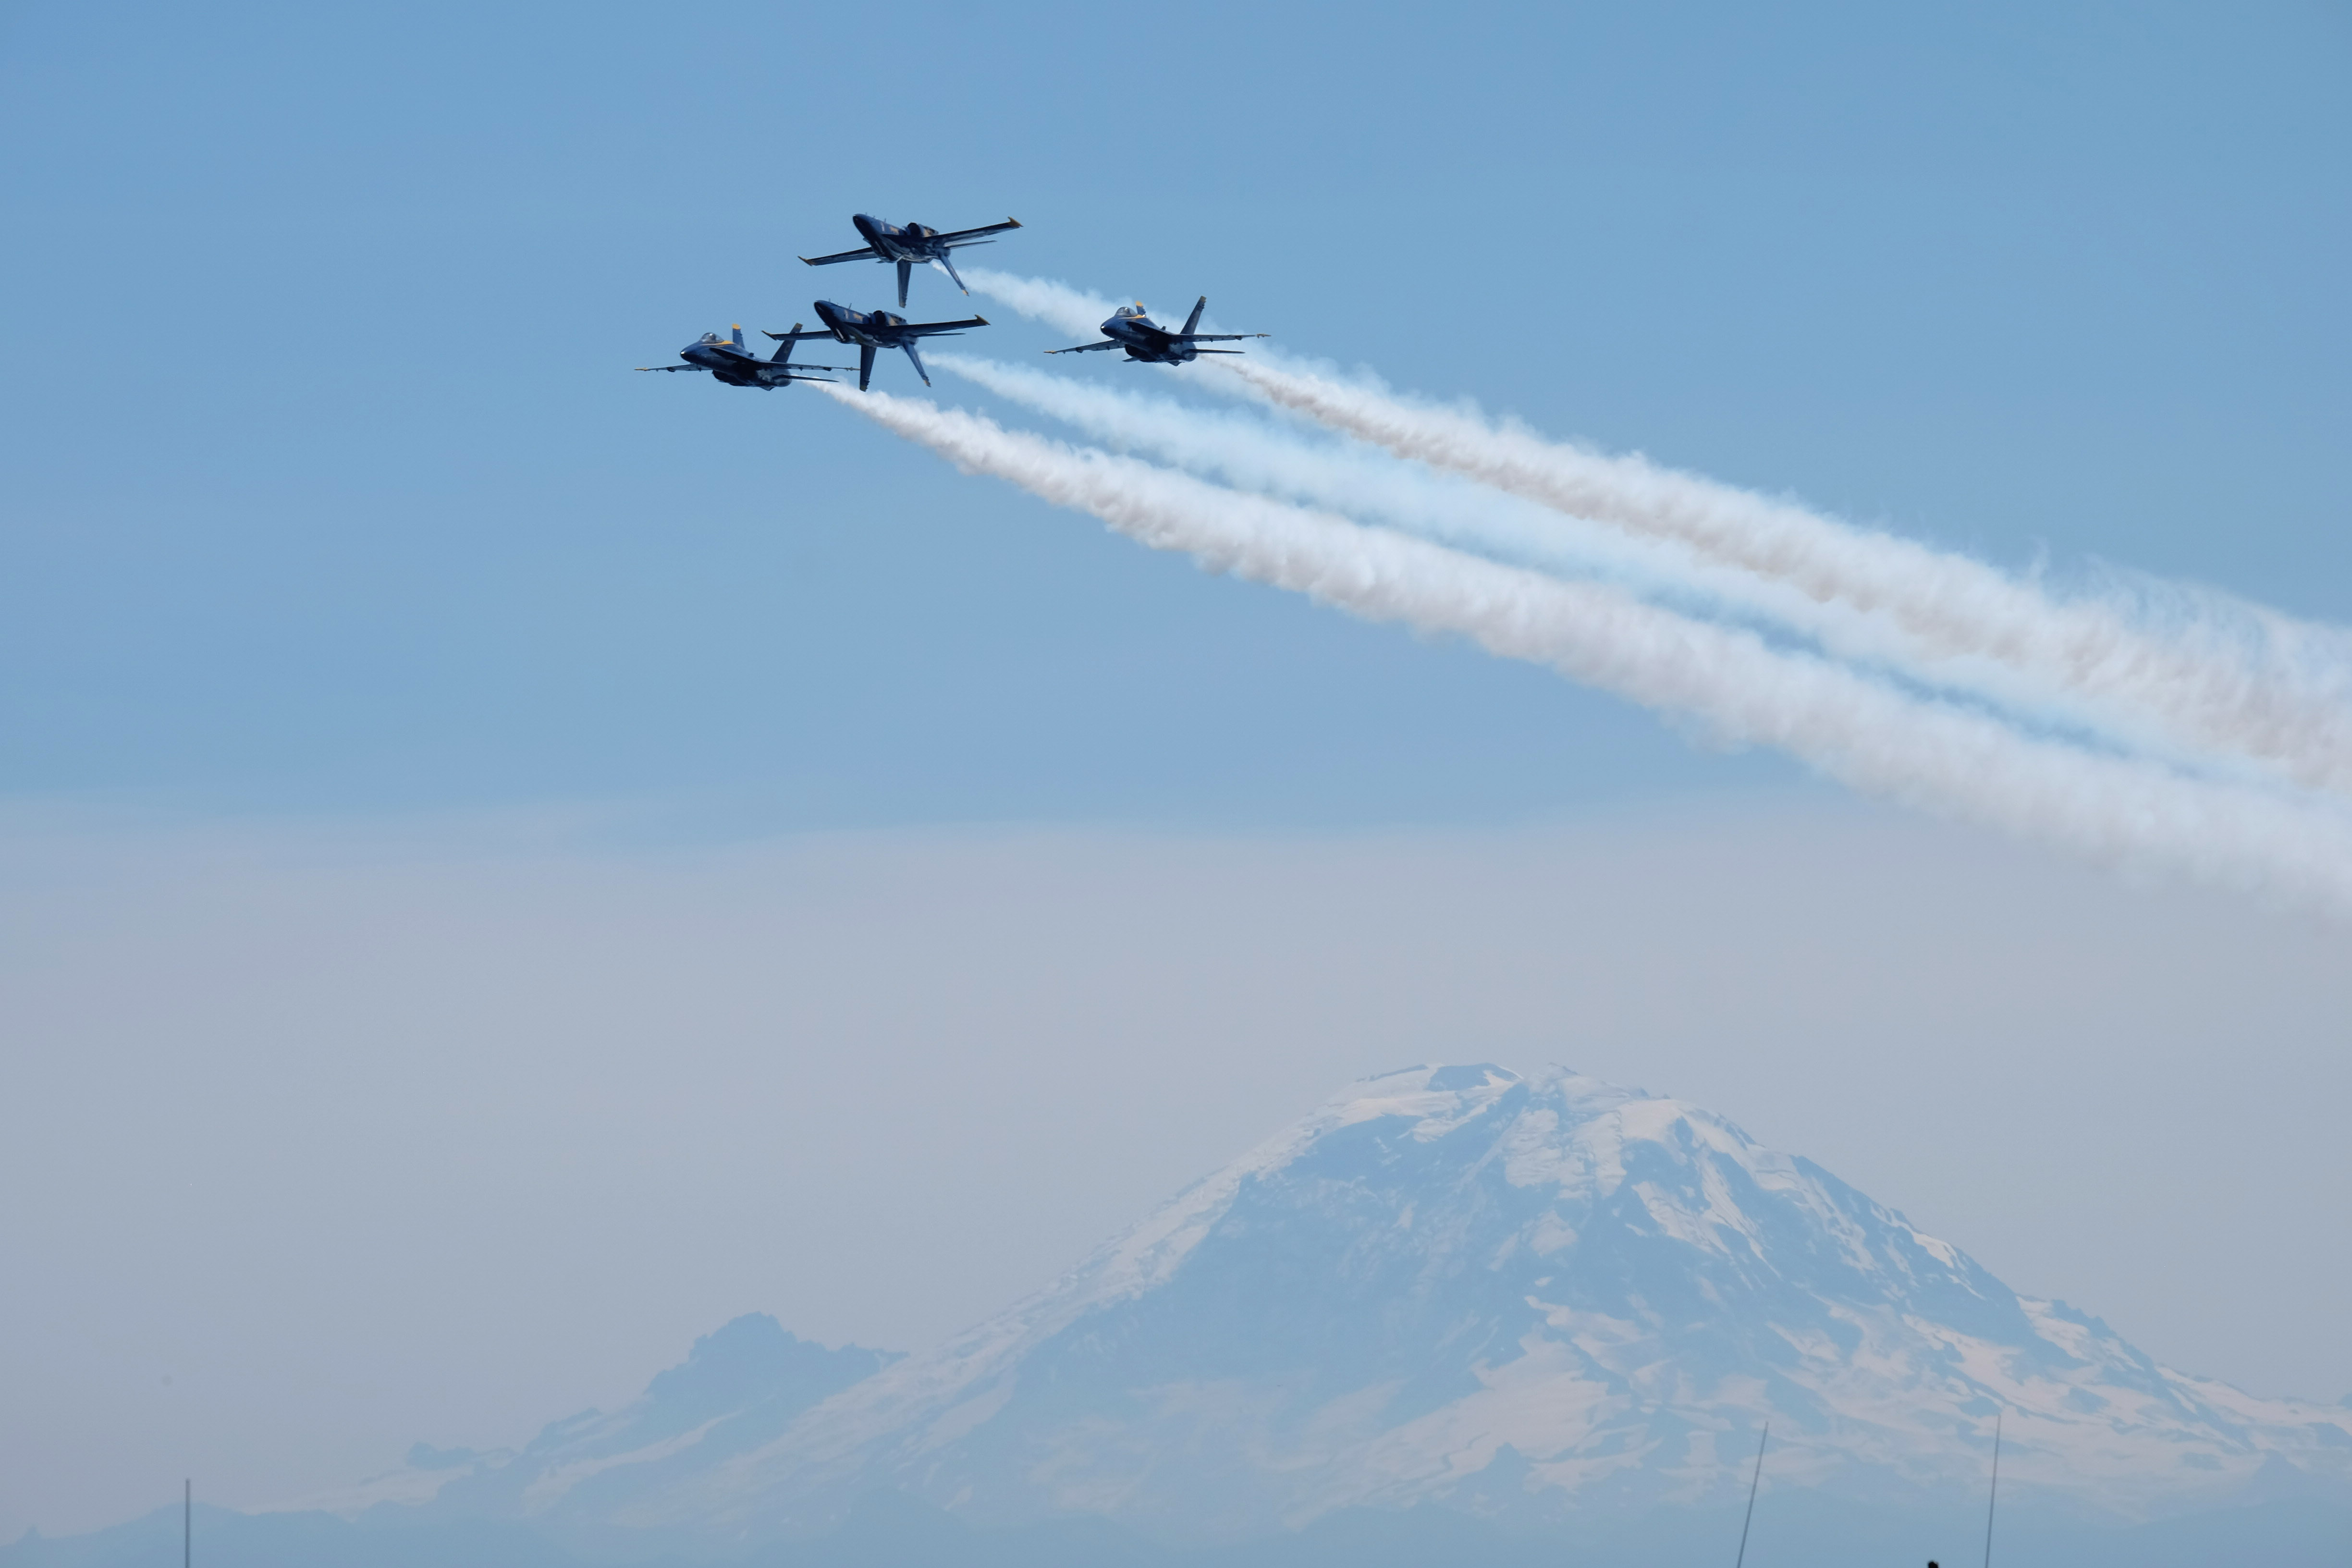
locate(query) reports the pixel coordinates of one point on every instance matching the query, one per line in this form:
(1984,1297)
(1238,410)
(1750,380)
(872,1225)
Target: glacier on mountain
(1527,1300)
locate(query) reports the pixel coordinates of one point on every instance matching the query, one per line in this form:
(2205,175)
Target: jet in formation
(881,330)
(1147,340)
(910,245)
(731,363)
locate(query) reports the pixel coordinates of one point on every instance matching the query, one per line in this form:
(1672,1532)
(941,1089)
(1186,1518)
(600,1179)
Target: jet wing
(867,254)
(972,235)
(692,367)
(933,329)
(1086,348)
(1221,337)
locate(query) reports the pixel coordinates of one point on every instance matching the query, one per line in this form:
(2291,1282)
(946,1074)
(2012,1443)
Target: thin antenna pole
(1994,1497)
(1741,1560)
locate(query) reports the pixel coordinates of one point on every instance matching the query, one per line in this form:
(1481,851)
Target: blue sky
(334,493)
(509,803)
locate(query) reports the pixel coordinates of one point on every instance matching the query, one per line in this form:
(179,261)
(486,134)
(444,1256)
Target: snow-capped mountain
(1524,1299)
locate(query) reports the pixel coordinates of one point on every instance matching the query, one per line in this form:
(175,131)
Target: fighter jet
(731,363)
(881,330)
(1149,341)
(907,246)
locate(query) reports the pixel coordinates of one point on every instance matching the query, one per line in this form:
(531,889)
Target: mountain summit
(1528,1299)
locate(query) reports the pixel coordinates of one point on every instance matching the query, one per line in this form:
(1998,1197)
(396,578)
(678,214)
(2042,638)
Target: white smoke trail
(1059,306)
(2263,689)
(2222,678)
(1244,450)
(1845,725)
(1372,486)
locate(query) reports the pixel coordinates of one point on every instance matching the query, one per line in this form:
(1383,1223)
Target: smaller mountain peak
(755,1350)
(752,1329)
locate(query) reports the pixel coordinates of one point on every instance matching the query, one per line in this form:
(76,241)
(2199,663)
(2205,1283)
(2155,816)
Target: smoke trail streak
(1843,725)
(2223,678)
(2253,693)
(1058,305)
(1365,484)
(1368,484)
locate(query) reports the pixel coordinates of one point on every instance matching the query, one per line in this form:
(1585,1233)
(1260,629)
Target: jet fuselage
(909,245)
(733,366)
(872,330)
(1148,341)
(876,329)
(908,242)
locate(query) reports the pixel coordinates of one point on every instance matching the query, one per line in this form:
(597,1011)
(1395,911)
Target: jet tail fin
(906,270)
(787,343)
(918,359)
(1194,319)
(738,334)
(949,265)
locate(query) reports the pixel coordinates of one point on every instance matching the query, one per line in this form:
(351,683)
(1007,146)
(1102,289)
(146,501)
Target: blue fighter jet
(907,246)
(731,363)
(881,330)
(1148,341)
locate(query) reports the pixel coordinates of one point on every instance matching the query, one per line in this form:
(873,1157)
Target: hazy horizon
(438,1135)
